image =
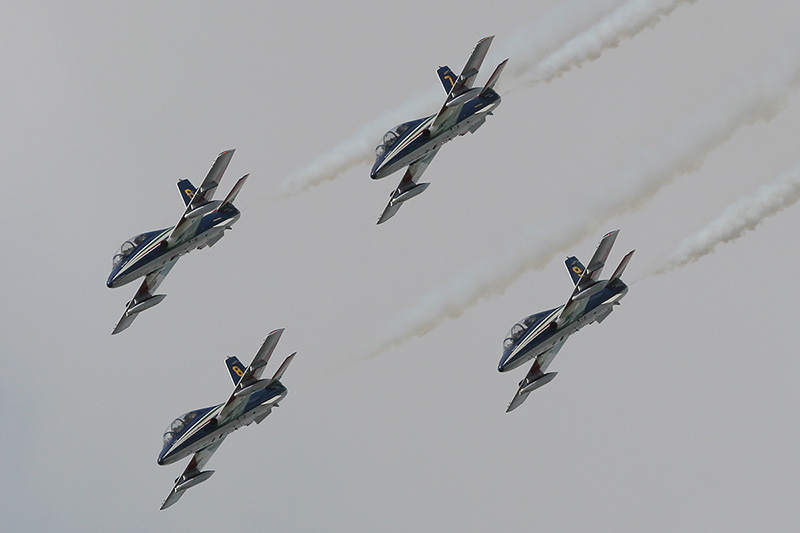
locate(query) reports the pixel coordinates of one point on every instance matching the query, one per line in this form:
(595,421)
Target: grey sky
(678,413)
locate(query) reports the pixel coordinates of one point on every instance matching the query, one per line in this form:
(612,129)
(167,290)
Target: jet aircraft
(414,144)
(201,432)
(154,253)
(541,336)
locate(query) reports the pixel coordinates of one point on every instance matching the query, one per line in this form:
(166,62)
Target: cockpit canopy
(126,248)
(390,137)
(519,328)
(179,424)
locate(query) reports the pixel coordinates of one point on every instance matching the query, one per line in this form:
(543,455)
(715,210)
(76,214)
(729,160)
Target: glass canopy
(126,248)
(520,327)
(390,137)
(179,424)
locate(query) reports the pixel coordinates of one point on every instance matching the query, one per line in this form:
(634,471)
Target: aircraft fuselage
(417,141)
(540,338)
(154,253)
(205,431)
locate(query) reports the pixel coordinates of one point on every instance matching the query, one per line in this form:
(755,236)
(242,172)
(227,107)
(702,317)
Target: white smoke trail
(683,149)
(625,22)
(563,39)
(737,219)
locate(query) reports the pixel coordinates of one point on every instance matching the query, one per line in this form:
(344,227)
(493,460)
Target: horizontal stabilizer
(234,192)
(621,268)
(600,256)
(473,65)
(282,369)
(494,77)
(206,191)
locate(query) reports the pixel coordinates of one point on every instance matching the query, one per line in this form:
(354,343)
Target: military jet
(414,144)
(154,253)
(201,432)
(541,336)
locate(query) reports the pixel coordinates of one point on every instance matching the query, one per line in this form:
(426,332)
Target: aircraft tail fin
(234,192)
(187,191)
(575,268)
(236,368)
(447,77)
(621,268)
(494,77)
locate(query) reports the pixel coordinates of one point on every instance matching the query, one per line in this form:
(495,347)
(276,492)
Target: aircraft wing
(588,282)
(192,475)
(251,378)
(144,297)
(200,203)
(452,106)
(408,187)
(536,378)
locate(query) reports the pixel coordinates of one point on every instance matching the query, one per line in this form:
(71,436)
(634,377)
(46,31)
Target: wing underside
(144,297)
(192,474)
(408,187)
(589,278)
(251,378)
(536,376)
(201,198)
(449,111)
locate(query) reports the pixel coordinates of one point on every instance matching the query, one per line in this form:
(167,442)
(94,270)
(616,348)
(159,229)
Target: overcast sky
(678,413)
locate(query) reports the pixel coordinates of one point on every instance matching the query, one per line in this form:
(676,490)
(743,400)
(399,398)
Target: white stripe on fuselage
(413,135)
(146,250)
(536,331)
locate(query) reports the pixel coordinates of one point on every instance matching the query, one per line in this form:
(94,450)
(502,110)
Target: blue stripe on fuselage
(207,222)
(202,428)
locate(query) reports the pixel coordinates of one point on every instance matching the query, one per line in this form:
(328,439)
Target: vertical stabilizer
(236,368)
(447,77)
(575,268)
(187,191)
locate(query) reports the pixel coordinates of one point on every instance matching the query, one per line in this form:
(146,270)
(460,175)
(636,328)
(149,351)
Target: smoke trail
(623,23)
(737,219)
(565,38)
(358,149)
(683,149)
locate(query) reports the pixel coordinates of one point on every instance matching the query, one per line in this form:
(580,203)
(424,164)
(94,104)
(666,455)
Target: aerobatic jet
(541,336)
(414,144)
(201,432)
(154,253)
